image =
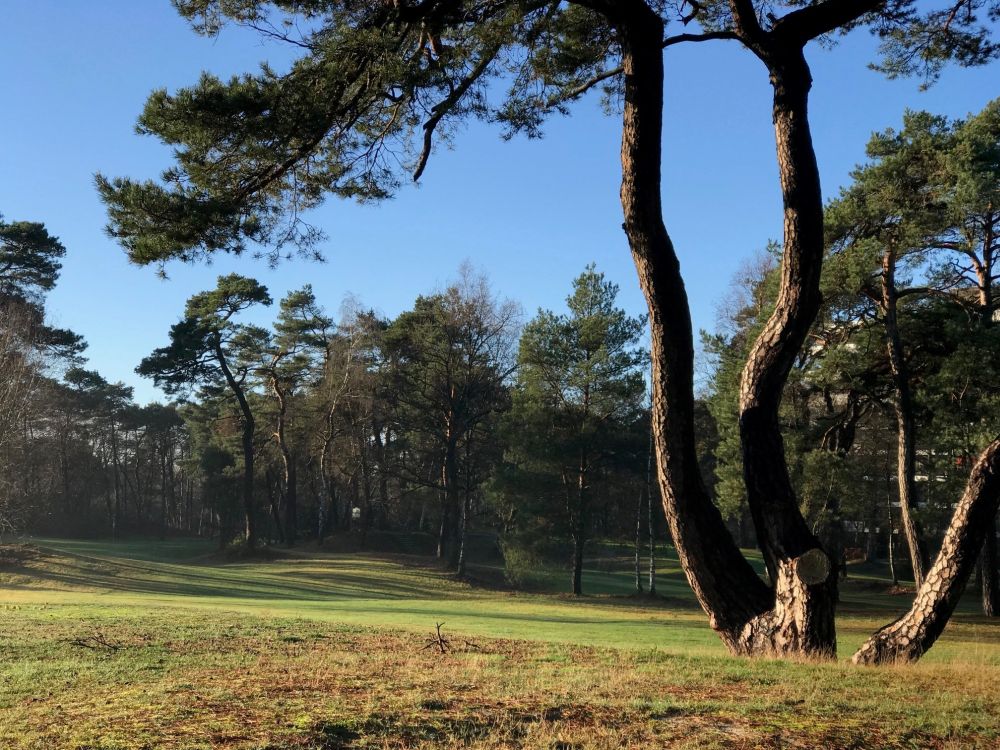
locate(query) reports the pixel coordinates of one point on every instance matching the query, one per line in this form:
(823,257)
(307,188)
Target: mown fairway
(148,645)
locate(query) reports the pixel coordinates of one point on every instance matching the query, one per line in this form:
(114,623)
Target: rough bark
(804,579)
(909,637)
(903,406)
(727,588)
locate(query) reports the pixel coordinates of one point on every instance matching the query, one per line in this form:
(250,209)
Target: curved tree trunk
(909,637)
(727,588)
(804,577)
(903,405)
(797,616)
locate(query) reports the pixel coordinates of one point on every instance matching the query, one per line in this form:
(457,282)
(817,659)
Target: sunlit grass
(148,644)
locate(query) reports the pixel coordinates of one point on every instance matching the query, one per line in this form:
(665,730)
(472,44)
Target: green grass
(148,644)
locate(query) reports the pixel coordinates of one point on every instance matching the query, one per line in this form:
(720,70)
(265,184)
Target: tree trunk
(650,525)
(802,573)
(909,637)
(577,562)
(447,544)
(442,540)
(638,543)
(246,438)
(275,510)
(903,405)
(892,551)
(330,519)
(988,565)
(163,496)
(725,585)
(463,534)
(288,461)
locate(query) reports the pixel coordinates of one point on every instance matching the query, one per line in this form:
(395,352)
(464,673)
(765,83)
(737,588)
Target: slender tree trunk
(447,543)
(638,542)
(460,567)
(366,489)
(330,519)
(909,637)
(273,502)
(892,552)
(288,461)
(903,405)
(990,586)
(581,526)
(466,509)
(650,521)
(725,585)
(163,497)
(246,439)
(442,539)
(988,565)
(116,518)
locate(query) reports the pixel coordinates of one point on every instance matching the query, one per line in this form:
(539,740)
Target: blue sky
(531,214)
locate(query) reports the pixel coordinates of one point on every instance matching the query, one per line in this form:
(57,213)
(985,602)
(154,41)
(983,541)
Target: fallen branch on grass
(442,643)
(96,642)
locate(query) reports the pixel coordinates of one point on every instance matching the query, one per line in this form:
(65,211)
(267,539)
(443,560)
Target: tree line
(376,84)
(447,419)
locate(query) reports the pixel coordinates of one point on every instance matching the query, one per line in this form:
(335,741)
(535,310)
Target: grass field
(162,644)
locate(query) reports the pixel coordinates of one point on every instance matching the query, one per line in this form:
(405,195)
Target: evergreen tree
(578,401)
(209,346)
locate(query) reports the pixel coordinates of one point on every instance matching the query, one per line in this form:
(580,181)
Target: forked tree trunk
(797,616)
(906,452)
(727,588)
(909,637)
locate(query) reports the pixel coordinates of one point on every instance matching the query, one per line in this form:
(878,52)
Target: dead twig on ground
(443,644)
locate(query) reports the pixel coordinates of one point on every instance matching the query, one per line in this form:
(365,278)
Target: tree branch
(443,107)
(811,21)
(670,41)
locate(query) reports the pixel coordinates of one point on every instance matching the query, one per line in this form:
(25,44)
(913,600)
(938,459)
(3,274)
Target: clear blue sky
(74,75)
